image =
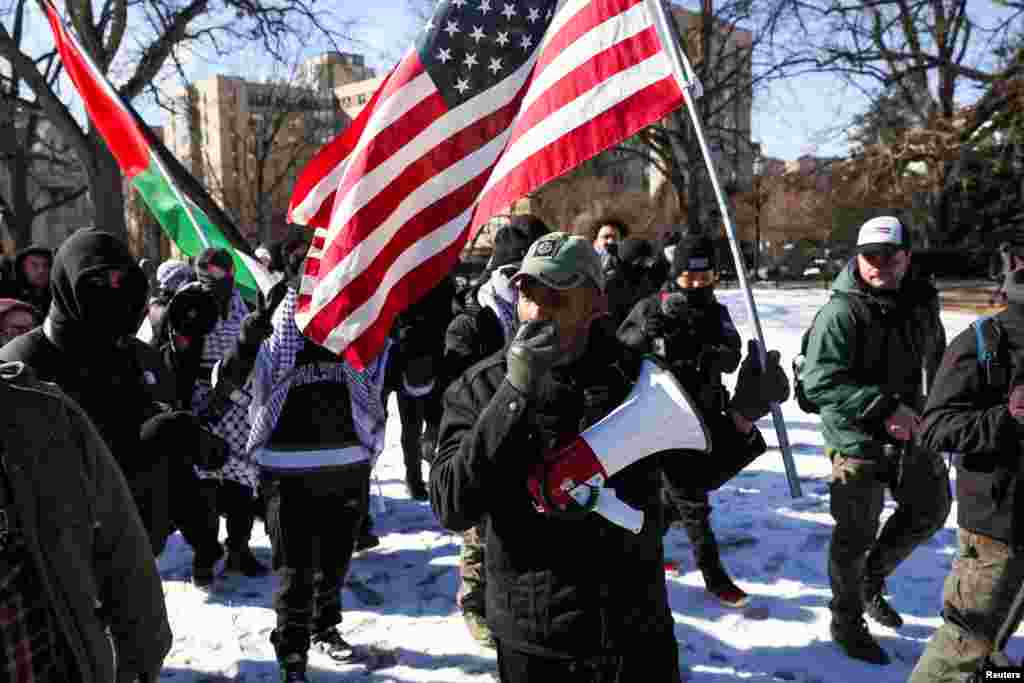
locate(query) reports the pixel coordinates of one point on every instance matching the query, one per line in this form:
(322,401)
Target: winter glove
(258,325)
(718,360)
(532,354)
(756,387)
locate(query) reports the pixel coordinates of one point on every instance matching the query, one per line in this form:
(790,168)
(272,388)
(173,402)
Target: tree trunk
(106,189)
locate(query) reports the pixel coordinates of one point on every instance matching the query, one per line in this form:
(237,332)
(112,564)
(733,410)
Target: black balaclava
(83,313)
(221,288)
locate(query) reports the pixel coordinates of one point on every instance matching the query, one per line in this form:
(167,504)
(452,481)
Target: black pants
(198,505)
(652,663)
(412,412)
(312,521)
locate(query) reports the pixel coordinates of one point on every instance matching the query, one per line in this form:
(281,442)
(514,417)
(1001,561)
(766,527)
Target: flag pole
(688,82)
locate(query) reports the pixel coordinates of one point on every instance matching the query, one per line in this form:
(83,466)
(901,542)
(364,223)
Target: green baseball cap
(562,261)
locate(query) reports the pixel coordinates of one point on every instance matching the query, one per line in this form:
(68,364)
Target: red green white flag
(185,211)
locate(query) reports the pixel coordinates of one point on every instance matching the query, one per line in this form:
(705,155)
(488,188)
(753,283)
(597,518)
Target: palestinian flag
(179,202)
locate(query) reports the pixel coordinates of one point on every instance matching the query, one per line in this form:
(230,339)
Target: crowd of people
(146,400)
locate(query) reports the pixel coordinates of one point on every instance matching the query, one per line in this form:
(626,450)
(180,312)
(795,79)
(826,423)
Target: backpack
(991,352)
(860,311)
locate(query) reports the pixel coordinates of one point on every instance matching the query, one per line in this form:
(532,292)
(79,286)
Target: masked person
(230,489)
(867,351)
(79,592)
(976,409)
(87,347)
(485,322)
(686,325)
(317,427)
(577,598)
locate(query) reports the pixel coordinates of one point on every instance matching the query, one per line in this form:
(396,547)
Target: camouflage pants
(859,552)
(975,600)
(473,584)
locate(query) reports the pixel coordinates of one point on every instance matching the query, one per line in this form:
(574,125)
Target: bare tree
(41,171)
(928,58)
(142,37)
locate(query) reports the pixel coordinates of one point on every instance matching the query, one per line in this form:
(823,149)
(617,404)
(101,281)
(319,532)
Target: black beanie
(693,253)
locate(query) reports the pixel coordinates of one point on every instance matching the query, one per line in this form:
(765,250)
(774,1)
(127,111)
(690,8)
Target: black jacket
(554,587)
(968,414)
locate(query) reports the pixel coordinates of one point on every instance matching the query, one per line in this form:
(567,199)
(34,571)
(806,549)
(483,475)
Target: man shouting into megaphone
(573,595)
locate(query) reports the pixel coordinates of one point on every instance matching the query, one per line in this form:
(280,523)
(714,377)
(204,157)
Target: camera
(192,311)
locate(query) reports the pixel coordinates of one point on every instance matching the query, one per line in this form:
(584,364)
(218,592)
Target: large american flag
(496,98)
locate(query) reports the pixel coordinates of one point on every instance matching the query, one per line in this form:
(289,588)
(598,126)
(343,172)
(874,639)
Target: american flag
(496,98)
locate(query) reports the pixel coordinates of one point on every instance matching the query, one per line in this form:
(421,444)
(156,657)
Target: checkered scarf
(275,371)
(233,426)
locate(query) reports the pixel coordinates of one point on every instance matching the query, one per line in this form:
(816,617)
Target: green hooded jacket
(858,371)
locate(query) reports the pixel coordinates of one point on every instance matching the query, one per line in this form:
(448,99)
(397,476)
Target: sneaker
(853,637)
(417,489)
(365,541)
(330,642)
(876,607)
(722,587)
(293,669)
(478,628)
(245,563)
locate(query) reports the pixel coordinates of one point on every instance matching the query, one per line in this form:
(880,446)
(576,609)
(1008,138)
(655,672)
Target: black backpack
(861,314)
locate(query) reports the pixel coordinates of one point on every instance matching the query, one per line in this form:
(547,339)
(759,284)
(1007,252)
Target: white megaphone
(658,415)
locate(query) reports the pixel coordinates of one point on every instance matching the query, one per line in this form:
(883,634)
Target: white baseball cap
(883,233)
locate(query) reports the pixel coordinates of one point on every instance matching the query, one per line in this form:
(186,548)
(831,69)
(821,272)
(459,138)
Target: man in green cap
(569,597)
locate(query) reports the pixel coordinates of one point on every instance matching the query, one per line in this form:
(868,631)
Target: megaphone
(658,415)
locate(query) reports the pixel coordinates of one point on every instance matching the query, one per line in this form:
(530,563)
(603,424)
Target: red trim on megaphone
(561,472)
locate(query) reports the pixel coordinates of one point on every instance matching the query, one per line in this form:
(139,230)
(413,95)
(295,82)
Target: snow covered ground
(400,596)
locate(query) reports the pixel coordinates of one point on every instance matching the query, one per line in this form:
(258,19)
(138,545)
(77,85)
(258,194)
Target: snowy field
(400,597)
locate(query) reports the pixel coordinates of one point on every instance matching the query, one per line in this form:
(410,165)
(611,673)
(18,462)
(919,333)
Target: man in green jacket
(76,567)
(871,349)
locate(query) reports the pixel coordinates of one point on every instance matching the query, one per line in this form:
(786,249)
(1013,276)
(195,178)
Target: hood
(913,289)
(19,258)
(85,252)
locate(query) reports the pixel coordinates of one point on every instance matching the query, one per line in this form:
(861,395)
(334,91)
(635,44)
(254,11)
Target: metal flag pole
(689,84)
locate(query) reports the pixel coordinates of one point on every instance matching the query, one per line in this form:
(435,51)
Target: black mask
(110,312)
(221,289)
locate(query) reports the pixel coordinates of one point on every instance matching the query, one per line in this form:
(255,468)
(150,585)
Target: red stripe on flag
(631,115)
(414,285)
(586,76)
(433,163)
(587,19)
(362,287)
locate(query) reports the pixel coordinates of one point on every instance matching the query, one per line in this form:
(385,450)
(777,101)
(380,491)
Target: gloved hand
(258,325)
(756,387)
(718,359)
(532,354)
(656,325)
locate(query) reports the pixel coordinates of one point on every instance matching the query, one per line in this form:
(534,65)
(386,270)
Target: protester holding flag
(317,427)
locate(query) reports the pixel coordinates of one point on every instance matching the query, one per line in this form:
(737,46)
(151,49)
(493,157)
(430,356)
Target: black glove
(258,325)
(757,388)
(532,354)
(718,359)
(656,325)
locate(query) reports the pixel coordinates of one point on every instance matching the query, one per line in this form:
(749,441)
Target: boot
(414,474)
(331,643)
(852,635)
(416,487)
(876,606)
(293,669)
(365,538)
(720,585)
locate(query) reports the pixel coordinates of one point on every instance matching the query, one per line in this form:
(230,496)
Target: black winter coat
(968,414)
(554,587)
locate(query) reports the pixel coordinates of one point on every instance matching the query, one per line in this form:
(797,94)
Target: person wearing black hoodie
(86,347)
(32,268)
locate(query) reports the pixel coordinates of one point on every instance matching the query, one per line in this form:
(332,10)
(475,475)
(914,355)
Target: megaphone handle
(615,511)
(659,347)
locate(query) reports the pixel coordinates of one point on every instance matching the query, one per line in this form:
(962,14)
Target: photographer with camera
(686,325)
(86,346)
(976,409)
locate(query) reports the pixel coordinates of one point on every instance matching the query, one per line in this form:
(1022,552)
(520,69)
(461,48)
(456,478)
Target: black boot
(414,472)
(242,561)
(850,632)
(290,646)
(876,606)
